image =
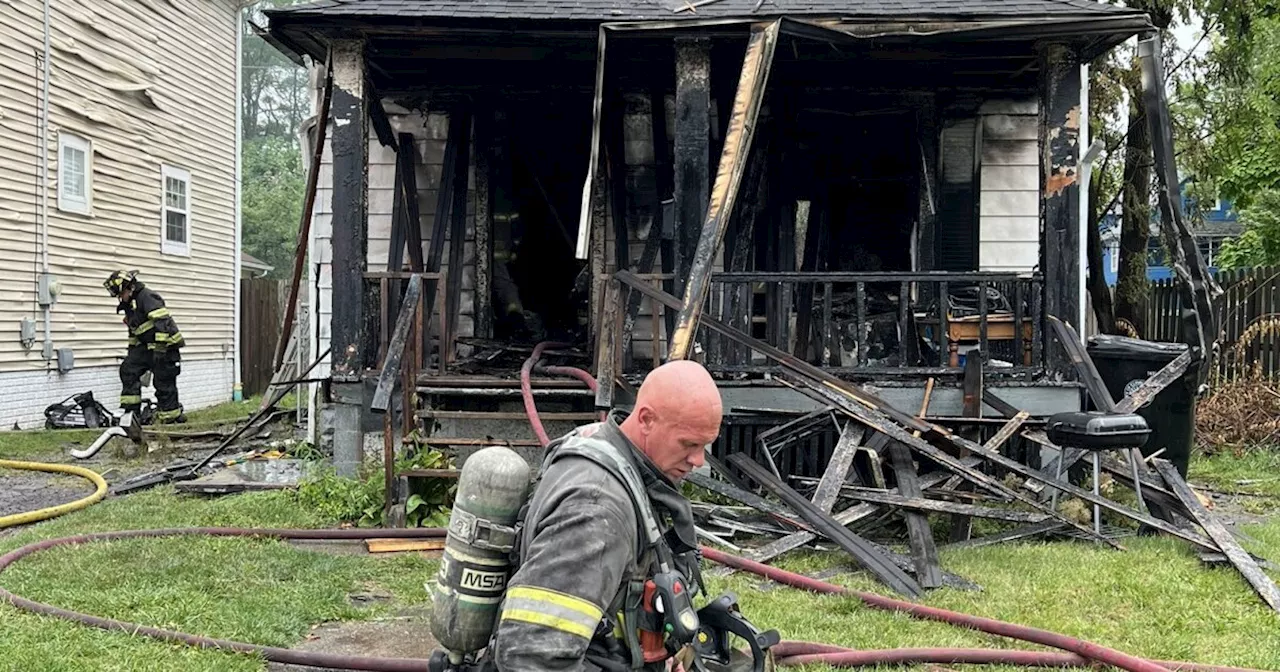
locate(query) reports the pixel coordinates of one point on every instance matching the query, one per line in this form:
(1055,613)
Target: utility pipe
(47,347)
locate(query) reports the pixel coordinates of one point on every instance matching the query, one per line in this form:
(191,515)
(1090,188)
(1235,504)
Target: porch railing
(869,323)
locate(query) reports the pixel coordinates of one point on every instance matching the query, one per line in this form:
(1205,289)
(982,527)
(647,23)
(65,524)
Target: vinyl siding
(1009,224)
(148,82)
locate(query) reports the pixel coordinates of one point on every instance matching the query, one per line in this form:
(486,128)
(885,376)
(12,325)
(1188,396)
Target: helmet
(119,280)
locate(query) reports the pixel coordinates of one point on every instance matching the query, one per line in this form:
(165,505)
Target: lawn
(1155,600)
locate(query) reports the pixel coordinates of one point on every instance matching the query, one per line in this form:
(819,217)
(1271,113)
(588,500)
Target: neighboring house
(133,166)
(1218,223)
(253,267)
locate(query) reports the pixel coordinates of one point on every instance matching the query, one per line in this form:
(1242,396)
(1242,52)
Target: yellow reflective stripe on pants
(552,609)
(131,399)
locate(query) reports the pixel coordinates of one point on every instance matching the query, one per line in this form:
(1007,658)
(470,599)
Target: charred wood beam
(1080,360)
(607,354)
(1155,384)
(1059,184)
(924,553)
(308,209)
(737,146)
(391,365)
(869,555)
(458,223)
(1245,564)
(378,117)
(408,192)
(918,503)
(482,301)
(879,422)
(848,516)
(664,195)
(350,207)
(444,209)
(692,147)
(1198,287)
(737,309)
(589,186)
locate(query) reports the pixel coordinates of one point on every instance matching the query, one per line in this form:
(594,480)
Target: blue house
(1219,223)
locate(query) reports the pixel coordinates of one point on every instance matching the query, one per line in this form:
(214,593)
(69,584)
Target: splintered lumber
(1263,584)
(880,423)
(1009,535)
(402,545)
(756,64)
(924,553)
(919,503)
(866,553)
(746,497)
(1155,384)
(828,490)
(1083,363)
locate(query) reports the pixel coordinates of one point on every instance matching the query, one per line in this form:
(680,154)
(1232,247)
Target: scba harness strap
(626,617)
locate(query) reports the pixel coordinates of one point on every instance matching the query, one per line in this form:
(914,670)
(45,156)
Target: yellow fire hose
(53,511)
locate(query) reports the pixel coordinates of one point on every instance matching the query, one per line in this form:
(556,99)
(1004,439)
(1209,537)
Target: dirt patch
(22,491)
(405,635)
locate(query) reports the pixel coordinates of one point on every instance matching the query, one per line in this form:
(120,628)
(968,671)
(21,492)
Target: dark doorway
(538,288)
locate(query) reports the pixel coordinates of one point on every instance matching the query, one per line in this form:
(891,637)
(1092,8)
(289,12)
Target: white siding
(1009,226)
(147,83)
(430,133)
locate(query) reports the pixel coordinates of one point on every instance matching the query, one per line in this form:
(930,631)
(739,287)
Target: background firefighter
(154,344)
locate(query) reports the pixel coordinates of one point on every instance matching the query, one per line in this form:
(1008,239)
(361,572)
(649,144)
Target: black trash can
(1125,363)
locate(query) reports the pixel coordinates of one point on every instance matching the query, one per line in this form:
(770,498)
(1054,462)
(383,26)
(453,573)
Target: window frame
(168,246)
(71,204)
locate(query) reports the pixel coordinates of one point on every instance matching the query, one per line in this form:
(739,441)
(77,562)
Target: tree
(275,102)
(271,205)
(1259,245)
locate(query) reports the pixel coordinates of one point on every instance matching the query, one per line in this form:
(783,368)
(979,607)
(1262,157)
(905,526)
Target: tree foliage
(271,201)
(275,102)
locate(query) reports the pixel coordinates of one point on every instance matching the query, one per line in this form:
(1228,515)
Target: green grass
(1255,473)
(260,591)
(1154,600)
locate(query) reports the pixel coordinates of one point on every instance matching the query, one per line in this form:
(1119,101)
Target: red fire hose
(786,653)
(1078,653)
(526,385)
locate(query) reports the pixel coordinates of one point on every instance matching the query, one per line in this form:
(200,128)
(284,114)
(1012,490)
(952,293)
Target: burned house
(889,191)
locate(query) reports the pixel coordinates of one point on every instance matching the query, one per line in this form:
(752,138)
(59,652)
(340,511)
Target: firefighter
(574,601)
(154,345)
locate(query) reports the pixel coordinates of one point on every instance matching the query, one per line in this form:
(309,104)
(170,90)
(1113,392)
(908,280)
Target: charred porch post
(1059,189)
(350,217)
(692,159)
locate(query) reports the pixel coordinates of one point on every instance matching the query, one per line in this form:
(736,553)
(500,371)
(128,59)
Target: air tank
(476,563)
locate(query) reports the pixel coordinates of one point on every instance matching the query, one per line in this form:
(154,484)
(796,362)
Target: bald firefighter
(154,345)
(585,563)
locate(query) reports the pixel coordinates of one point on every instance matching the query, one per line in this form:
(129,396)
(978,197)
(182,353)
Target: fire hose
(1075,652)
(788,653)
(99,491)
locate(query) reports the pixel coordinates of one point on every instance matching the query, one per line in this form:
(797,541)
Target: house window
(75,173)
(175,211)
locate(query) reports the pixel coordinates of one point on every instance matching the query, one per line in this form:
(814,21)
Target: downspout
(235,280)
(47,348)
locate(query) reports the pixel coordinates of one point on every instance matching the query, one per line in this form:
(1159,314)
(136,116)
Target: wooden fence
(261,316)
(1249,334)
